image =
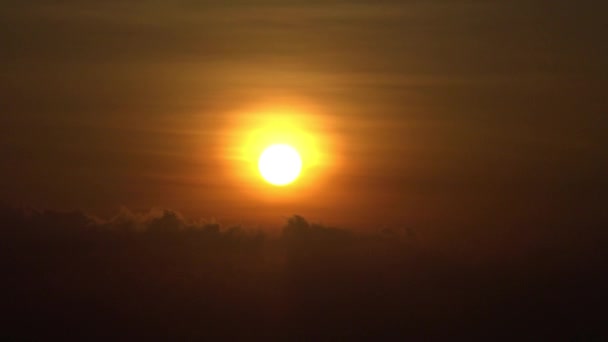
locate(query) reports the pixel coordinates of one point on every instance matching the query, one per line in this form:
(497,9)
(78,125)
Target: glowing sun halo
(280,164)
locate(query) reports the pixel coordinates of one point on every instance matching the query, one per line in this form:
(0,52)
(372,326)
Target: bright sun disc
(280,164)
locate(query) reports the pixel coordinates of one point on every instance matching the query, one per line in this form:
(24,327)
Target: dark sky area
(440,112)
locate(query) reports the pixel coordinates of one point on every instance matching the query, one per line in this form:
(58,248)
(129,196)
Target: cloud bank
(156,274)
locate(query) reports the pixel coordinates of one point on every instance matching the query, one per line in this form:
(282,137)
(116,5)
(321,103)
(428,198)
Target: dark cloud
(155,273)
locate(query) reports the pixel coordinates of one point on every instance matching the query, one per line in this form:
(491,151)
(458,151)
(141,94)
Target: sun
(280,164)
(278,151)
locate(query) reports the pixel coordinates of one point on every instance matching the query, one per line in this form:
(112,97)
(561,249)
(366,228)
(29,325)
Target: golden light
(280,145)
(280,164)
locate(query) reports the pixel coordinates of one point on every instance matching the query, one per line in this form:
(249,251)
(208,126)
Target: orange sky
(423,111)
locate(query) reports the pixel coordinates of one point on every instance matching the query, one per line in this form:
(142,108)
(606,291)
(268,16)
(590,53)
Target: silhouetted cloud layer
(158,275)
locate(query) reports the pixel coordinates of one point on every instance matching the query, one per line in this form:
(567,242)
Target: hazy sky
(434,111)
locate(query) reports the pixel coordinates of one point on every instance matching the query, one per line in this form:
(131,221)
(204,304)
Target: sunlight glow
(303,129)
